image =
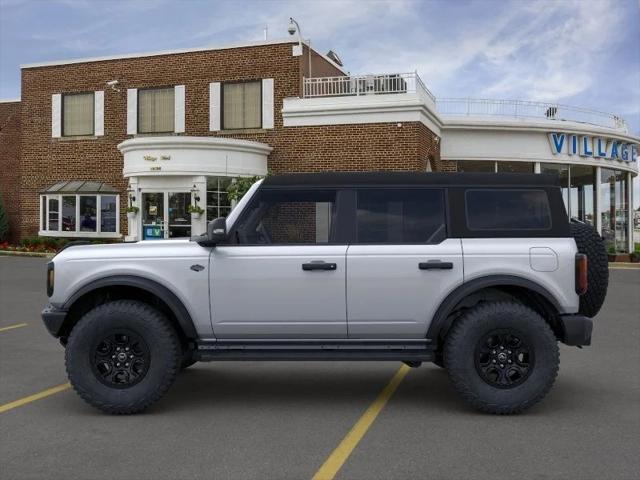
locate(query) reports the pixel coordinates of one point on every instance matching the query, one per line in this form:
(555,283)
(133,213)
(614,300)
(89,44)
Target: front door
(401,264)
(164,215)
(282,275)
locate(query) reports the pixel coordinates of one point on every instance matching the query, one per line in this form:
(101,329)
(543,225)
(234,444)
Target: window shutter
(56,115)
(267,103)
(214,106)
(98,111)
(179,93)
(132,111)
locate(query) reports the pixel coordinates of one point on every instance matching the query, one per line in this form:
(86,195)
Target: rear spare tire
(591,244)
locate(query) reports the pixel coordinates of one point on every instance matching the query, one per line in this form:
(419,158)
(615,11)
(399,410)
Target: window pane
(43,216)
(280,217)
(87,214)
(218,203)
(515,167)
(583,193)
(401,216)
(108,217)
(507,210)
(476,166)
(69,213)
(156,110)
(242,105)
(615,210)
(77,114)
(53,213)
(562,171)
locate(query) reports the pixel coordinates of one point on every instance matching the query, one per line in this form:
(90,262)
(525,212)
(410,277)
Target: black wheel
(502,357)
(122,356)
(591,244)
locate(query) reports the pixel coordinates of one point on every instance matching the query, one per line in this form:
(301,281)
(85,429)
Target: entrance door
(164,215)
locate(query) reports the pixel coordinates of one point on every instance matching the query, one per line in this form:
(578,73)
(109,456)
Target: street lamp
(293,28)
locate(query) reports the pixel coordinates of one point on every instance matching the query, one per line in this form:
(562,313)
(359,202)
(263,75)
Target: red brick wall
(295,149)
(10,163)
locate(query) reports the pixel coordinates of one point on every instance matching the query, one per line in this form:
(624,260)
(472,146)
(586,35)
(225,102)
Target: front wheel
(122,356)
(502,357)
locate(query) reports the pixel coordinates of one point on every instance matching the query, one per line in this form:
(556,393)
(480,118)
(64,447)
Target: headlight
(50,278)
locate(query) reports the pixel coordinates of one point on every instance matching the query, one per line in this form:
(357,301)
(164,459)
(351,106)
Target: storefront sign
(588,146)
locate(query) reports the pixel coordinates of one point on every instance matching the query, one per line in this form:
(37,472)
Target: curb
(9,253)
(625,265)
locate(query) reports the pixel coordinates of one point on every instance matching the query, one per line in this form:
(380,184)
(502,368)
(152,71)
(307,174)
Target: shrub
(4,223)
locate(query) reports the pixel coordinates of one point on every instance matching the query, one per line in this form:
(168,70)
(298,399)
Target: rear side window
(401,216)
(502,209)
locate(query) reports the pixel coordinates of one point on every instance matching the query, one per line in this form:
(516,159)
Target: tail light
(50,278)
(582,280)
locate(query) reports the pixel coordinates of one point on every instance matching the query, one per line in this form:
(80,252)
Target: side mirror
(216,233)
(217,230)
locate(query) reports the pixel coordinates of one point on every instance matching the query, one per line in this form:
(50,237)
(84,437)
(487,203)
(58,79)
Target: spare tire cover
(591,244)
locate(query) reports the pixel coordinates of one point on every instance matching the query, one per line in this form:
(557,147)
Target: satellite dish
(334,57)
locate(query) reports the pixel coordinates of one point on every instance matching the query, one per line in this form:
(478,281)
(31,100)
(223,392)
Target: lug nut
(509,361)
(126,364)
(501,365)
(501,347)
(113,356)
(117,364)
(493,361)
(127,349)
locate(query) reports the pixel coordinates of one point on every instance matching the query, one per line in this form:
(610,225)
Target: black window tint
(401,216)
(280,217)
(507,210)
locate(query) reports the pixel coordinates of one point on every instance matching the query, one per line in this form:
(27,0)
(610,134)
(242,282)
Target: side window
(507,209)
(401,216)
(281,217)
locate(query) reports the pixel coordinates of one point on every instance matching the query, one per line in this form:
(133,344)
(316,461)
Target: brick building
(162,131)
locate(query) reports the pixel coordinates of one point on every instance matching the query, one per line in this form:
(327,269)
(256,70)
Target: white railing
(526,109)
(365,85)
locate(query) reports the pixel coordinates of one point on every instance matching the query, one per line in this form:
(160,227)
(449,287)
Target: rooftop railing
(397,83)
(525,109)
(357,85)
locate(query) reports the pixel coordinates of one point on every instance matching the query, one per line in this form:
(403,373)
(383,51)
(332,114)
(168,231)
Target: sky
(577,52)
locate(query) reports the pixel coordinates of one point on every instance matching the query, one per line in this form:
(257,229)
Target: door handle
(435,265)
(319,266)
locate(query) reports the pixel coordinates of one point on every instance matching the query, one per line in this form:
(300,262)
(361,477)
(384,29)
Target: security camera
(292,27)
(112,83)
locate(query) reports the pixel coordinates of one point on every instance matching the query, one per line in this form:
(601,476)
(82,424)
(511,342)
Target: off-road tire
(592,245)
(165,356)
(460,357)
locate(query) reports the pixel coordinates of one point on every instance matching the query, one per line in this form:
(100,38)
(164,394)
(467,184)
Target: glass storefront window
(53,213)
(88,213)
(515,167)
(476,166)
(218,203)
(615,210)
(108,217)
(582,201)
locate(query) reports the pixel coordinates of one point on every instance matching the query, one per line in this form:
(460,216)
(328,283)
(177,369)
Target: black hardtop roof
(410,178)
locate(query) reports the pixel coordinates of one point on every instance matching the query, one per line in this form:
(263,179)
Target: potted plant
(195,211)
(132,211)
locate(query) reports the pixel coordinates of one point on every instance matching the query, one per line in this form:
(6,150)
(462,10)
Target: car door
(281,275)
(401,264)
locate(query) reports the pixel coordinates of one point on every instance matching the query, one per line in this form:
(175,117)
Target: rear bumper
(53,319)
(576,330)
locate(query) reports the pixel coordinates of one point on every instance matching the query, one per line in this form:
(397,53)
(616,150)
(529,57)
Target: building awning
(80,186)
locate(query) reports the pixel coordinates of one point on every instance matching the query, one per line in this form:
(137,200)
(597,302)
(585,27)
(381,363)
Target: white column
(56,116)
(214,106)
(179,100)
(132,111)
(134,223)
(630,243)
(199,226)
(98,112)
(536,167)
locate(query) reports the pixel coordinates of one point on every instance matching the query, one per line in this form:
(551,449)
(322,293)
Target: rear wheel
(122,356)
(501,357)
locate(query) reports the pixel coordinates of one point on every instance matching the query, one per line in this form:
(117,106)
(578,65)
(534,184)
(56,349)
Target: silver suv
(481,274)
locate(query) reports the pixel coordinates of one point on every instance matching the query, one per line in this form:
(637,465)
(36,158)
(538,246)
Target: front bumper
(576,330)
(53,319)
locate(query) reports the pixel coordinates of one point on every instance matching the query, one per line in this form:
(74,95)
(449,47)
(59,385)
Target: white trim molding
(184,155)
(179,102)
(56,115)
(132,111)
(214,107)
(98,111)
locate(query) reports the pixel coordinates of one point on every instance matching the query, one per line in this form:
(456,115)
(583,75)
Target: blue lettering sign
(573,146)
(557,142)
(614,150)
(601,150)
(586,149)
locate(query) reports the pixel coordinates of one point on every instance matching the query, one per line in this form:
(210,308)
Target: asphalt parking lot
(284,420)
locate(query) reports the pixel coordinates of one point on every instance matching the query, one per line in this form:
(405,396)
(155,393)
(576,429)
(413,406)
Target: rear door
(283,275)
(401,264)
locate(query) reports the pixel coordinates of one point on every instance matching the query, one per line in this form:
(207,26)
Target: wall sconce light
(194,192)
(132,197)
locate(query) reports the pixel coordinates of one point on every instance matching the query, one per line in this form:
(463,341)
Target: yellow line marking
(32,398)
(11,327)
(333,464)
